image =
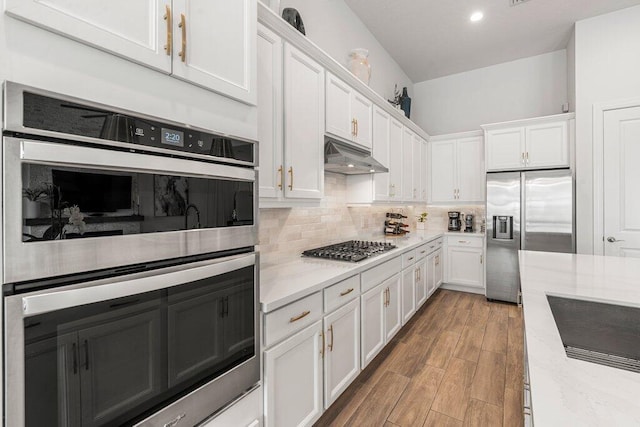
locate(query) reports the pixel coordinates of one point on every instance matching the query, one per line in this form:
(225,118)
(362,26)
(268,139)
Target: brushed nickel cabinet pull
(463,241)
(526,157)
(295,319)
(183,25)
(347,292)
(167,17)
(357,127)
(522,157)
(481,257)
(291,177)
(411,259)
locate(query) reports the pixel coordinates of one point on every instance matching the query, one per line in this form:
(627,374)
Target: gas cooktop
(352,250)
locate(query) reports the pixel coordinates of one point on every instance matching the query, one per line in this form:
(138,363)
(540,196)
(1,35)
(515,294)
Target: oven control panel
(55,114)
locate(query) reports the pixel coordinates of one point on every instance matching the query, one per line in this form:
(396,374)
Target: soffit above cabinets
(435,38)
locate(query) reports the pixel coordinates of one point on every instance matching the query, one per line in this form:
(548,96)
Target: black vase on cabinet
(405,102)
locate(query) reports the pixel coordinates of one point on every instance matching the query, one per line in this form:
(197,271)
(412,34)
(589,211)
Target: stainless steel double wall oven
(129,268)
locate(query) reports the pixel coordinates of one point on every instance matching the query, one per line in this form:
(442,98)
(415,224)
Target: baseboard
(463,288)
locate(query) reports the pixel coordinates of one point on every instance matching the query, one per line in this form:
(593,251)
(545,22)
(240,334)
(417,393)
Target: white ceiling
(435,38)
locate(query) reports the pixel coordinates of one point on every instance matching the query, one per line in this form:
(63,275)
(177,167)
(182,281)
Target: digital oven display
(172,137)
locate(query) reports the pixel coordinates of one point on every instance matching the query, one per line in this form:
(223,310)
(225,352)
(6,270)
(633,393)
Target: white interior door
(621,178)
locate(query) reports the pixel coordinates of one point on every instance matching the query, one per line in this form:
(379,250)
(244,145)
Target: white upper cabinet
(457,169)
(443,170)
(338,113)
(538,143)
(349,114)
(505,149)
(134,30)
(470,169)
(290,123)
(381,127)
(214,45)
(395,159)
(362,110)
(303,125)
(270,113)
(547,145)
(211,44)
(417,169)
(408,188)
(424,170)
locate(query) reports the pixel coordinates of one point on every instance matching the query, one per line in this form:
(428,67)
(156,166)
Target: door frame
(598,166)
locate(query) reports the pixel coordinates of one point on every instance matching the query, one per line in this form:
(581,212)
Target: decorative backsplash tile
(286,232)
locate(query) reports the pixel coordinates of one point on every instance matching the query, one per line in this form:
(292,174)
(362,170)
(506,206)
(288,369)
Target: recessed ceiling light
(350,165)
(476,16)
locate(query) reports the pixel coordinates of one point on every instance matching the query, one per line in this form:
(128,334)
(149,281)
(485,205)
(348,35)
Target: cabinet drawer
(380,273)
(464,241)
(408,258)
(432,246)
(422,251)
(341,293)
(245,412)
(291,318)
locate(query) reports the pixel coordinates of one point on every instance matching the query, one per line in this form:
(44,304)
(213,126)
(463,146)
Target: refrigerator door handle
(523,210)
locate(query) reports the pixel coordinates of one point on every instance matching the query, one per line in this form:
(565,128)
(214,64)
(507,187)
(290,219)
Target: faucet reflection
(186,216)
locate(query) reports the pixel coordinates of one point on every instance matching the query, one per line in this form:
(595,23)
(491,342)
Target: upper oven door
(96,208)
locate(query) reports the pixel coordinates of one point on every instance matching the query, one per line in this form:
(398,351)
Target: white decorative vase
(359,64)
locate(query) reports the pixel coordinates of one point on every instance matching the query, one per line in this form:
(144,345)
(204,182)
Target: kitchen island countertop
(295,278)
(570,392)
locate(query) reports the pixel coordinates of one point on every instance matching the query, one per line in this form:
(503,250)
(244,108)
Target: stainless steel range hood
(343,158)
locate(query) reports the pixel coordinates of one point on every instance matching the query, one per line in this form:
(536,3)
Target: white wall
(530,87)
(607,69)
(333,26)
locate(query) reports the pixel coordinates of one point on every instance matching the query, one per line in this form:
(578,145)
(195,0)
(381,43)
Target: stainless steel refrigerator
(525,210)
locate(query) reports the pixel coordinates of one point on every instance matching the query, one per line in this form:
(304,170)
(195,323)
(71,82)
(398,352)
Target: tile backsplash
(286,232)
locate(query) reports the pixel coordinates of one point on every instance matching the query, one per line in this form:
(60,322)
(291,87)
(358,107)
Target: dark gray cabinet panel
(51,369)
(119,366)
(190,350)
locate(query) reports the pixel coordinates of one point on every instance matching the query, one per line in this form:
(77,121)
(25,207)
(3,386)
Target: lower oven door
(179,343)
(99,208)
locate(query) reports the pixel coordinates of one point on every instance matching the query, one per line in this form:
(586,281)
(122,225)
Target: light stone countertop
(294,278)
(570,392)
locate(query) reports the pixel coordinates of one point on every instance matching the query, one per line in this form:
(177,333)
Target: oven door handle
(72,155)
(58,300)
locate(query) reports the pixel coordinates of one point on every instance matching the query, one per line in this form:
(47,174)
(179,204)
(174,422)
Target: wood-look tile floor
(457,362)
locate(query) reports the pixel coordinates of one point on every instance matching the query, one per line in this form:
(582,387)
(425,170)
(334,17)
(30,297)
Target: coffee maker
(454,221)
(468,223)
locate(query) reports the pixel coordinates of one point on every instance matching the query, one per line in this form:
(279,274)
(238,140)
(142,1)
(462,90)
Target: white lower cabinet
(437,269)
(246,412)
(409,280)
(381,317)
(422,272)
(408,293)
(465,258)
(342,350)
(293,379)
